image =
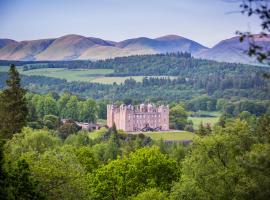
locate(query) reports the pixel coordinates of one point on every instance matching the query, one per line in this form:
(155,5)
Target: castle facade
(138,118)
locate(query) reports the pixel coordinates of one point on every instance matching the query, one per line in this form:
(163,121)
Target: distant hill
(73,47)
(5,42)
(232,50)
(77,47)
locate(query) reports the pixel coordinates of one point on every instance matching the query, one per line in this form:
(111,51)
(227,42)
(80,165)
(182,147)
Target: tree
(68,128)
(29,140)
(61,104)
(219,166)
(21,184)
(152,194)
(3,175)
(51,121)
(17,182)
(13,106)
(87,159)
(263,129)
(102,110)
(60,172)
(78,140)
(71,110)
(178,117)
(204,130)
(256,164)
(259,8)
(87,111)
(144,169)
(50,106)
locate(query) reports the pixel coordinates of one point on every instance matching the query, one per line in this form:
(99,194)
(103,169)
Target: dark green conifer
(13,106)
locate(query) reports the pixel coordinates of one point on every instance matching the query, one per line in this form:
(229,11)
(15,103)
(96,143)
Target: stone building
(138,118)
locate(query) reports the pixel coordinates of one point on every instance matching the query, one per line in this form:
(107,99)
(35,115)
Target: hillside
(232,50)
(73,47)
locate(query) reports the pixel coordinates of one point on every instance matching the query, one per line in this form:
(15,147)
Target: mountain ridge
(78,47)
(73,47)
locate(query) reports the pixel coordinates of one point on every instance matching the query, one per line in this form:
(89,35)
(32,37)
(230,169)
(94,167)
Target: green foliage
(87,111)
(65,106)
(178,117)
(143,169)
(256,184)
(204,130)
(152,194)
(102,110)
(16,182)
(71,111)
(3,174)
(60,172)
(224,165)
(193,78)
(87,158)
(51,121)
(29,140)
(203,102)
(13,106)
(21,185)
(79,139)
(263,129)
(68,128)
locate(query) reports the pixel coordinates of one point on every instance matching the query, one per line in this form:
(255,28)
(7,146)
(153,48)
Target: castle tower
(110,115)
(164,117)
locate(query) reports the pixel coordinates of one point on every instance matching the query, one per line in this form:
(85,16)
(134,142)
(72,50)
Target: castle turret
(164,117)
(110,115)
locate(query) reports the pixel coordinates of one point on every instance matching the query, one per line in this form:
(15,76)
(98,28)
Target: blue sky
(205,21)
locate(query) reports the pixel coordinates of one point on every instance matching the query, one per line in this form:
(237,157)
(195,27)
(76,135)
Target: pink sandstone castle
(138,118)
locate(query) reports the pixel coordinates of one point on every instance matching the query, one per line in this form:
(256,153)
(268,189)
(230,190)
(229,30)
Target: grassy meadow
(69,74)
(168,136)
(88,75)
(211,120)
(171,136)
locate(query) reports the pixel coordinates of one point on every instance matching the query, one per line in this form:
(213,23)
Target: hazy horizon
(206,22)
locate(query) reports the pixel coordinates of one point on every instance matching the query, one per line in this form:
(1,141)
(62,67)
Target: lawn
(171,136)
(211,120)
(88,75)
(5,68)
(118,80)
(69,74)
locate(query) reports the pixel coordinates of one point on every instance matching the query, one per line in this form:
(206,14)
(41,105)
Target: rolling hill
(232,50)
(77,47)
(72,47)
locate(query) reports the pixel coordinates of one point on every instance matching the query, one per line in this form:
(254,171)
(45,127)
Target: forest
(192,78)
(44,158)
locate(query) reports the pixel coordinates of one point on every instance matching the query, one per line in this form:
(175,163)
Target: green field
(172,136)
(118,80)
(5,68)
(88,75)
(211,120)
(169,136)
(69,74)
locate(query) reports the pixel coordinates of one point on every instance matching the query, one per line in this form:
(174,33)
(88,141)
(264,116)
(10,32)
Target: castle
(138,118)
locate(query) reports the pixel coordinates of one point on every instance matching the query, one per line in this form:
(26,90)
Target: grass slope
(92,75)
(171,136)
(211,120)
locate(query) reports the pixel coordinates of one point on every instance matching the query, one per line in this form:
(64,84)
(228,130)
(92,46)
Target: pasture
(88,75)
(170,136)
(69,74)
(212,119)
